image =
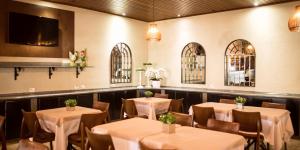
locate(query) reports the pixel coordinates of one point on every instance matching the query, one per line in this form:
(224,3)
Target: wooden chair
(2,136)
(223,126)
(30,127)
(99,141)
(183,119)
(176,105)
(30,145)
(277,106)
(89,121)
(273,105)
(103,106)
(159,95)
(201,115)
(128,107)
(250,127)
(227,101)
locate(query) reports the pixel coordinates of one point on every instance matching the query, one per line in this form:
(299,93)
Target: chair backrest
(273,105)
(91,120)
(2,136)
(159,95)
(202,114)
(223,126)
(99,141)
(28,124)
(128,106)
(29,145)
(183,119)
(227,101)
(103,106)
(249,121)
(176,105)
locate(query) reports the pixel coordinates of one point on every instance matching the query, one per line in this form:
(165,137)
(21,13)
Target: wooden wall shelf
(19,66)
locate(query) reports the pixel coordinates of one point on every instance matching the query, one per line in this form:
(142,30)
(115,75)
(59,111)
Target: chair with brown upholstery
(128,107)
(227,101)
(176,105)
(89,121)
(273,105)
(159,95)
(99,141)
(30,145)
(103,106)
(201,115)
(2,136)
(250,127)
(183,119)
(223,126)
(30,127)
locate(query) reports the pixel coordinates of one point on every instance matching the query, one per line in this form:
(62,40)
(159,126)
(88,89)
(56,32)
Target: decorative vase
(168,128)
(69,108)
(155,84)
(240,105)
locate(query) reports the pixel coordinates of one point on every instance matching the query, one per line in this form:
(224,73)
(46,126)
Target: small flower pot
(240,106)
(168,128)
(155,84)
(69,108)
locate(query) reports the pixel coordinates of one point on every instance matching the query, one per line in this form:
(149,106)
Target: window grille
(193,64)
(121,64)
(240,64)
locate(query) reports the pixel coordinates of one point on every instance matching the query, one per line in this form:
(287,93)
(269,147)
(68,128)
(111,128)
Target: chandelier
(153,32)
(294,21)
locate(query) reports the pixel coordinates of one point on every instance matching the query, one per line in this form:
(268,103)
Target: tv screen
(32,30)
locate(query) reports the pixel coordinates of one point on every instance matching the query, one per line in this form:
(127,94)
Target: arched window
(240,64)
(193,64)
(121,64)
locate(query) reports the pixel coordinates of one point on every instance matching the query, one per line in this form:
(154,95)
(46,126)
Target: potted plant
(240,101)
(168,123)
(70,104)
(148,94)
(155,75)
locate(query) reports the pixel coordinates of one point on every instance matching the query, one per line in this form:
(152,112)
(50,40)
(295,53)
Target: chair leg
(285,145)
(51,145)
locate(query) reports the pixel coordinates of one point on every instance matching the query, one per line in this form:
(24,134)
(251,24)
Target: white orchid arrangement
(78,57)
(156,74)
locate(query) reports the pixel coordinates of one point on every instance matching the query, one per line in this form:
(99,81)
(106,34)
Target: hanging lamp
(294,21)
(153,32)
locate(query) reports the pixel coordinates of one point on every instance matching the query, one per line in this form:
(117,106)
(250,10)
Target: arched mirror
(193,64)
(240,64)
(121,64)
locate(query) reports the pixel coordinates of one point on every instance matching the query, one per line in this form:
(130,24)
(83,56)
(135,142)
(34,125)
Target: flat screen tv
(32,30)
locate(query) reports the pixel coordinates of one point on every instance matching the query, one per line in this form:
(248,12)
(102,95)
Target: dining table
(151,106)
(276,123)
(127,134)
(62,122)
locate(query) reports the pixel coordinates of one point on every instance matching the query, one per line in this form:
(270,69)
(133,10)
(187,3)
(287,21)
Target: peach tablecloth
(126,134)
(62,123)
(189,138)
(151,106)
(276,123)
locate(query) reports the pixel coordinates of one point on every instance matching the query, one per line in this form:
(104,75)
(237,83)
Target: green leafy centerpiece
(70,104)
(168,123)
(240,101)
(148,94)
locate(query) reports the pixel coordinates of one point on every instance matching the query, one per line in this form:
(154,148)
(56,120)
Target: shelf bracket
(78,70)
(17,72)
(51,70)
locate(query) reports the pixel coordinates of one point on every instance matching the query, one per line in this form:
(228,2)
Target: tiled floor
(294,144)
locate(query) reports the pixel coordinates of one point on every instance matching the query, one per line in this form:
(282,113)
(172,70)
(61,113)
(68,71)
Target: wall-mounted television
(33,30)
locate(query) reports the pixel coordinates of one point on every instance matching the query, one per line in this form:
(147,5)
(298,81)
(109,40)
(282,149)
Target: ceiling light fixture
(123,14)
(294,21)
(153,32)
(255,3)
(178,15)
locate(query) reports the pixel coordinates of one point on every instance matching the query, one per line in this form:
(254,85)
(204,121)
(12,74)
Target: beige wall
(98,32)
(277,49)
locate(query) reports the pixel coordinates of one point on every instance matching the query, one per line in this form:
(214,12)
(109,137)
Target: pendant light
(294,21)
(153,32)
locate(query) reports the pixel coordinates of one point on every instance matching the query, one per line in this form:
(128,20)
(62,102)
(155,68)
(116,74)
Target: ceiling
(164,9)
